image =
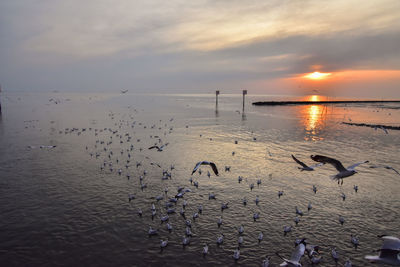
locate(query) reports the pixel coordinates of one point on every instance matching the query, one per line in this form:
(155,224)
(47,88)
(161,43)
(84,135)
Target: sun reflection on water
(313,118)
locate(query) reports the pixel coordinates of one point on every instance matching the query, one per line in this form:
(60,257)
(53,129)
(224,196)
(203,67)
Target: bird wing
(298,253)
(323,159)
(197,166)
(299,162)
(154,147)
(316,165)
(352,167)
(391,168)
(214,168)
(391,242)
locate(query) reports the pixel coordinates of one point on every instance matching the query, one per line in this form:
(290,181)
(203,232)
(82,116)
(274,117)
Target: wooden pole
(0,99)
(216,98)
(244,93)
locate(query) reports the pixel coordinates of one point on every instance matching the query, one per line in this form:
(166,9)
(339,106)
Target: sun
(317,75)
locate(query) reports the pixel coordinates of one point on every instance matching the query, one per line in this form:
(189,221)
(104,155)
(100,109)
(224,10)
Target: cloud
(201,44)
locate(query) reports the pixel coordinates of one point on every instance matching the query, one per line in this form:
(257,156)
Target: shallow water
(58,208)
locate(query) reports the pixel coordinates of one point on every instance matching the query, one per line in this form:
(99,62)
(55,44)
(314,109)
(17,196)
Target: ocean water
(59,208)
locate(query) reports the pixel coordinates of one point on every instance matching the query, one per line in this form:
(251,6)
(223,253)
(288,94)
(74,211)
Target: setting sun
(317,75)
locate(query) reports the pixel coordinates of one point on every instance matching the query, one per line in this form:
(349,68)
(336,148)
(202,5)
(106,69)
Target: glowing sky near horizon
(263,46)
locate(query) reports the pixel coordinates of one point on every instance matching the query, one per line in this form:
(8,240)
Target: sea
(70,162)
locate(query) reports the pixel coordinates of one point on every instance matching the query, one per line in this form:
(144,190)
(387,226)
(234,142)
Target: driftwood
(376,126)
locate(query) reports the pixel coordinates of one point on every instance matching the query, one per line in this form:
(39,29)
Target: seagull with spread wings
(343,172)
(296,255)
(212,164)
(304,167)
(159,149)
(389,253)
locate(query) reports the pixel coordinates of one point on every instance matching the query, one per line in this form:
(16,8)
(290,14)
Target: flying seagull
(213,166)
(295,257)
(343,172)
(386,167)
(159,149)
(389,253)
(124,91)
(304,167)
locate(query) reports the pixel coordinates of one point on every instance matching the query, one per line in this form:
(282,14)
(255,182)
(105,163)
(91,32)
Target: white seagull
(343,172)
(295,257)
(389,253)
(205,250)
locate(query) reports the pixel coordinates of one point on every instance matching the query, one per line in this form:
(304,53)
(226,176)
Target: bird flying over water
(389,253)
(386,167)
(213,166)
(343,172)
(295,257)
(304,167)
(159,149)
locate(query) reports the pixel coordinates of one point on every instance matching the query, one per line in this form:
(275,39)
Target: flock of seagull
(389,253)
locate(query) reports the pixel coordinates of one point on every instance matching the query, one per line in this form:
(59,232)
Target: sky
(266,47)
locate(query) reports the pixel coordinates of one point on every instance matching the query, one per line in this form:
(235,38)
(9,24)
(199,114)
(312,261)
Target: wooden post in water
(0,99)
(216,98)
(244,93)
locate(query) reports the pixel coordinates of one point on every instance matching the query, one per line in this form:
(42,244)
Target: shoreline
(285,103)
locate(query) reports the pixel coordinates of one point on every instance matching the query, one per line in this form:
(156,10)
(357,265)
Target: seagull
(159,149)
(287,229)
(219,222)
(348,263)
(213,166)
(169,227)
(305,167)
(185,240)
(163,243)
(389,253)
(240,240)
(295,257)
(354,241)
(386,167)
(355,188)
(205,249)
(131,197)
(256,216)
(153,231)
(341,220)
(335,255)
(220,239)
(124,91)
(265,262)
(236,254)
(299,212)
(188,231)
(343,172)
(260,237)
(241,229)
